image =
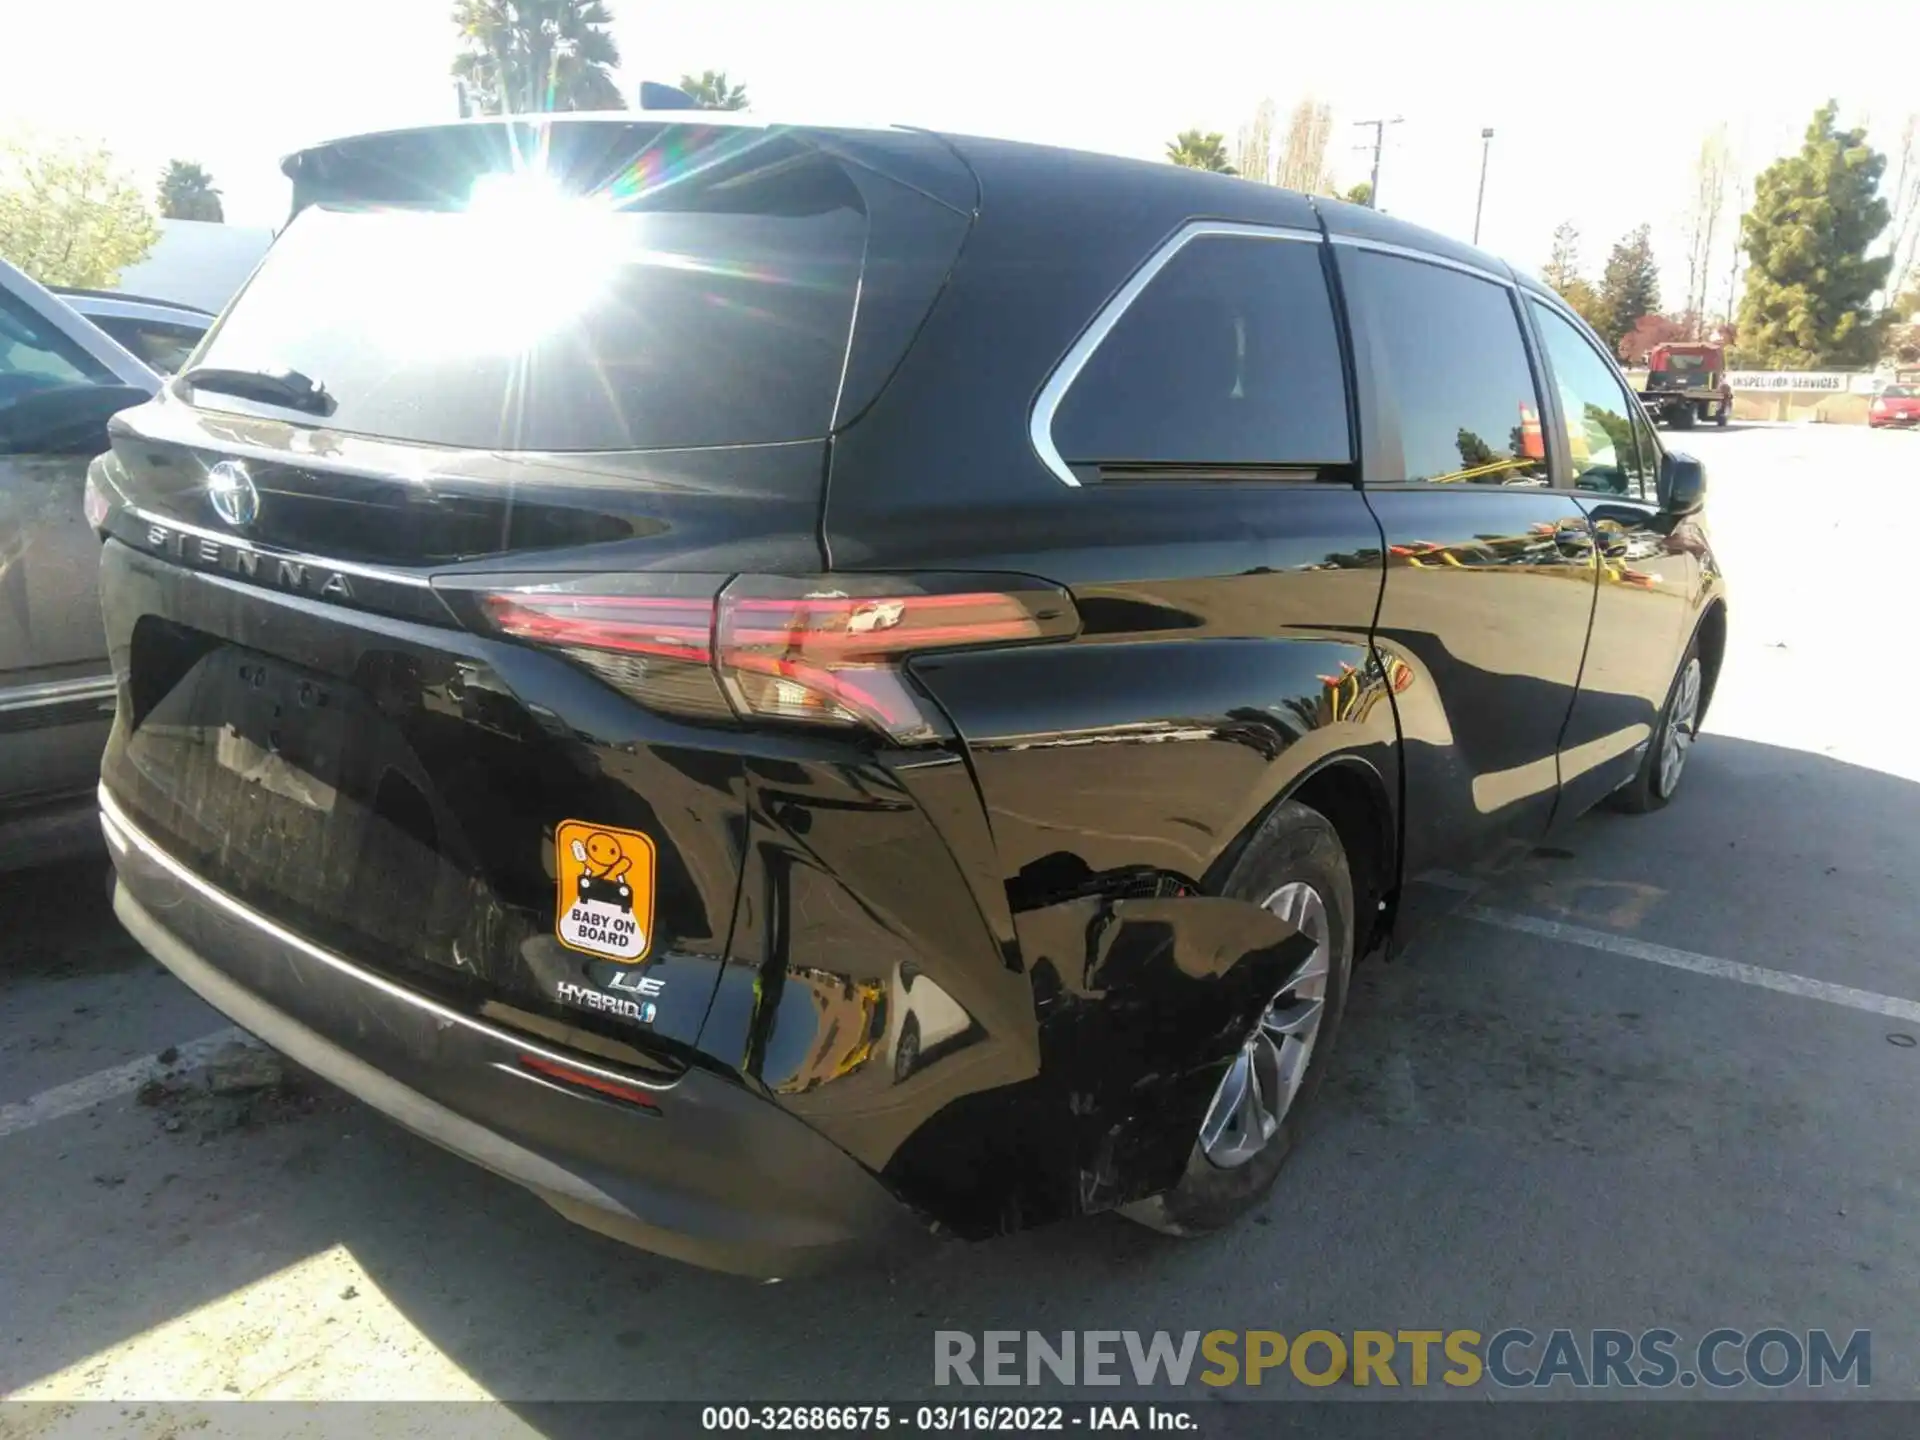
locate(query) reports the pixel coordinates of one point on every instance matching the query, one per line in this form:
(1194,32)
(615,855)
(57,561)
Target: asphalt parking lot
(1622,1087)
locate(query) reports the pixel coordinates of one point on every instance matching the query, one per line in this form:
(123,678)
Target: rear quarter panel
(1225,655)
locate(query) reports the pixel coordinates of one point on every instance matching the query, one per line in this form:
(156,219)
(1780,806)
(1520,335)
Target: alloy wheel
(1261,1083)
(1677,739)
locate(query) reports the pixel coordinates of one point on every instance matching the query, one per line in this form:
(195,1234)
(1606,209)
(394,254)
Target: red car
(1895,405)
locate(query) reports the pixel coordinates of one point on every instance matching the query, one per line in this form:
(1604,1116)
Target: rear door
(1190,480)
(421,667)
(1490,571)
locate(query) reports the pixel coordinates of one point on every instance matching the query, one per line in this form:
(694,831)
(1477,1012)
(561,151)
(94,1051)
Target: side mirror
(65,419)
(1683,484)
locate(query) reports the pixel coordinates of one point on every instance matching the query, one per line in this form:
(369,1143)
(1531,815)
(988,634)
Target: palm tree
(710,91)
(1200,150)
(529,55)
(187,193)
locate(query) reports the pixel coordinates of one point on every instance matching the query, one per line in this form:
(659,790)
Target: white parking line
(1782,981)
(90,1090)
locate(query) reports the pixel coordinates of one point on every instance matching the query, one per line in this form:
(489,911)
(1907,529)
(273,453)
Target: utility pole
(1486,144)
(1379,141)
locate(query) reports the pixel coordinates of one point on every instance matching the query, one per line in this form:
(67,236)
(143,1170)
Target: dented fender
(1164,992)
(1141,1002)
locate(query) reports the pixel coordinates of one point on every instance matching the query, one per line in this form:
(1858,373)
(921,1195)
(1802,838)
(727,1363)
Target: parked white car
(61,376)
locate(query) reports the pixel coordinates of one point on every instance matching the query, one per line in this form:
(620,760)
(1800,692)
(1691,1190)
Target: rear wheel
(1682,416)
(1296,867)
(1725,413)
(1666,758)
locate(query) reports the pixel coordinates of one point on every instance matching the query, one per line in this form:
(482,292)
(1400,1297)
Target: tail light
(829,651)
(656,648)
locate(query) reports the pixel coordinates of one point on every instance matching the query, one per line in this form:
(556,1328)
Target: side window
(1447,348)
(1228,357)
(34,355)
(1647,486)
(1599,413)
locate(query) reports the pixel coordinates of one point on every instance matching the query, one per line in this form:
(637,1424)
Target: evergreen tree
(187,192)
(1563,266)
(1810,283)
(1629,286)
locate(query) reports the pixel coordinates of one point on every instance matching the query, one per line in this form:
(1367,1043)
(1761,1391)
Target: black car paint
(1055,871)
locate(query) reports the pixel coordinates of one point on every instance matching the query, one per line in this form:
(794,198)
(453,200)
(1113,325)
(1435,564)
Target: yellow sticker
(605,904)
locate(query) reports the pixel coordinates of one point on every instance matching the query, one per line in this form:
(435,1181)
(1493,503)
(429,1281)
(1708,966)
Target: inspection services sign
(1835,381)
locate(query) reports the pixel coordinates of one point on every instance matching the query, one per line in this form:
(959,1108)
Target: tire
(1724,414)
(1652,787)
(906,1052)
(1682,416)
(1295,851)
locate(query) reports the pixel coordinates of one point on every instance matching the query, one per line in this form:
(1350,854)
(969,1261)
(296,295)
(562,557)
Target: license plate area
(285,735)
(292,791)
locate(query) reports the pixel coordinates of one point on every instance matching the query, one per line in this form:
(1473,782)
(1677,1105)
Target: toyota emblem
(230,488)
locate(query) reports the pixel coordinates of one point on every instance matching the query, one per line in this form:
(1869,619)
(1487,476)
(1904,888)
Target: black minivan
(790,689)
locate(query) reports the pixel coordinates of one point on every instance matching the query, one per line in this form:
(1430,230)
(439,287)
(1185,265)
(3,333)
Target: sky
(1598,109)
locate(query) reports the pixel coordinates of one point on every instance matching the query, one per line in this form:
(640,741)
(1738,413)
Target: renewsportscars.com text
(1512,1358)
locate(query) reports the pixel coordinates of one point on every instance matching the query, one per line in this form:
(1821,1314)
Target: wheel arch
(1350,791)
(1710,640)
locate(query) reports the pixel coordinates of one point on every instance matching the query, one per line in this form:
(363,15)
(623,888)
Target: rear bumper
(712,1175)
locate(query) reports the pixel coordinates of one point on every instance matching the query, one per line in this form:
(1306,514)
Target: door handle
(1574,539)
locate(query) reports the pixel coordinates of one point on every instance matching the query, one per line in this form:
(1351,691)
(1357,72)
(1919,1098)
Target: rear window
(1899,392)
(680,297)
(1684,362)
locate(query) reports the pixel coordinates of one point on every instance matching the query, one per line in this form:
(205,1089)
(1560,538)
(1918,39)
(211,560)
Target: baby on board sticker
(606,890)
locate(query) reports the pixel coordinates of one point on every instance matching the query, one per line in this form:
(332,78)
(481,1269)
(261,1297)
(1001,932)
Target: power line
(1379,142)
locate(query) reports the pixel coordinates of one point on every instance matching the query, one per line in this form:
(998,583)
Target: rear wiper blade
(275,387)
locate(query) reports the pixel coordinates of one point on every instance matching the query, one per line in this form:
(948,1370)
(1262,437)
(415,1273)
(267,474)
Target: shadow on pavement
(56,921)
(1508,1133)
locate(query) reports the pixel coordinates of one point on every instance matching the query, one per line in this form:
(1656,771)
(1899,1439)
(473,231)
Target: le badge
(605,901)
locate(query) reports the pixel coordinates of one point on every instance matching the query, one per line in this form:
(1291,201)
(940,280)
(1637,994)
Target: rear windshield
(684,297)
(1685,362)
(1898,392)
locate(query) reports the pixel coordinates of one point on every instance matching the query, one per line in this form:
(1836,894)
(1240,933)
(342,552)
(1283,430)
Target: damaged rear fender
(1141,1002)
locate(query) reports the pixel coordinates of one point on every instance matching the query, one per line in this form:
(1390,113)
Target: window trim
(1054,391)
(1426,257)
